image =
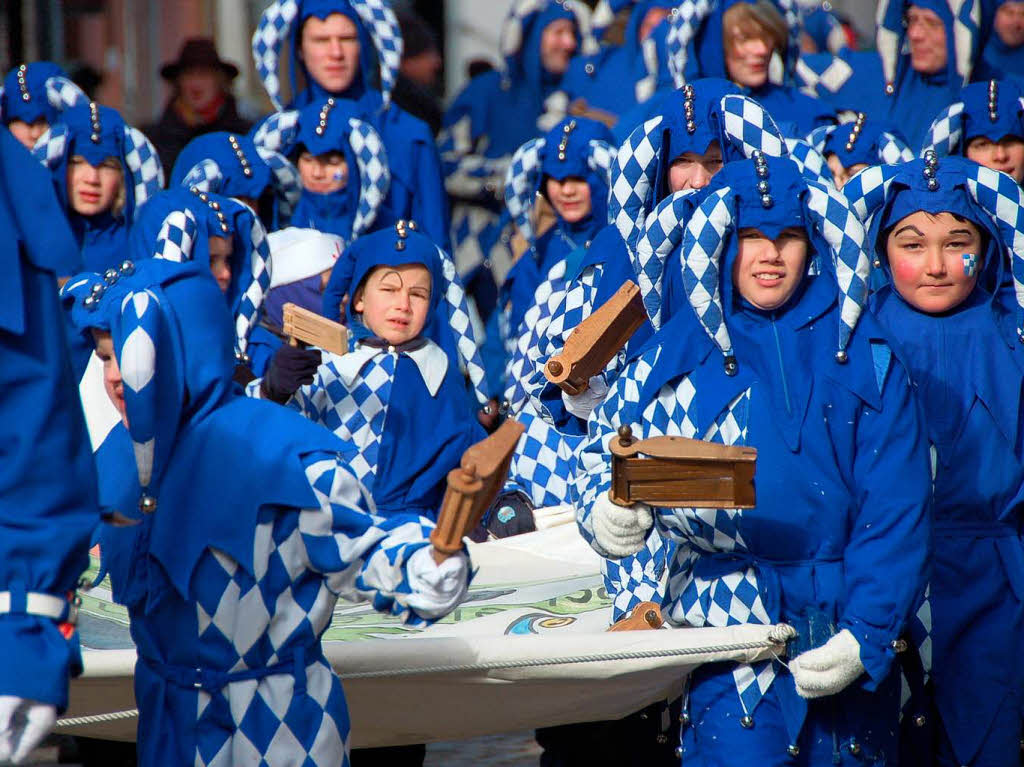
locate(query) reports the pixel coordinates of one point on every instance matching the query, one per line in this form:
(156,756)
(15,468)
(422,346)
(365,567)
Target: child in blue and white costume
(838,541)
(229,581)
(851,147)
(497,112)
(416,190)
(569,166)
(104,170)
(25,99)
(232,165)
(940,226)
(331,135)
(398,397)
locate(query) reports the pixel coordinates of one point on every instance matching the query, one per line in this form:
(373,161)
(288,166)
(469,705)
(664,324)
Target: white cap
(300,253)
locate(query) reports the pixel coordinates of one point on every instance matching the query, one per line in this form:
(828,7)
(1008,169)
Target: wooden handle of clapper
(596,340)
(310,328)
(472,488)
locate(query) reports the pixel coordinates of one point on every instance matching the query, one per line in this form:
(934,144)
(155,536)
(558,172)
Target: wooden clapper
(676,471)
(472,488)
(312,329)
(596,340)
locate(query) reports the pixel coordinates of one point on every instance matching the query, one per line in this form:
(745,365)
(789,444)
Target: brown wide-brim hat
(198,52)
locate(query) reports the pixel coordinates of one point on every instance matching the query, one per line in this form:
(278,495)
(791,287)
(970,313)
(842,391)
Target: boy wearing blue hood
(942,225)
(230,581)
(837,543)
(350,50)
(398,397)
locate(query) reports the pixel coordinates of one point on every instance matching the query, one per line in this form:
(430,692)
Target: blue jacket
(46,523)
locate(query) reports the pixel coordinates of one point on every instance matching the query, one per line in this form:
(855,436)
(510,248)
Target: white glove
(620,530)
(582,405)
(23,724)
(827,669)
(436,588)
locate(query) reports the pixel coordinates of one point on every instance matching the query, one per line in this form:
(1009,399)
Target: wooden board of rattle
(314,330)
(596,340)
(675,471)
(473,486)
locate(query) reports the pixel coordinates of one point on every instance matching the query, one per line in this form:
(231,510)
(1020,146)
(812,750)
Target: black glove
(290,368)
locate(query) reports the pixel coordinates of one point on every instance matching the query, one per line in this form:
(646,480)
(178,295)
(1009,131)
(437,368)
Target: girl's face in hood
(570,198)
(692,170)
(28,133)
(93,189)
(767,272)
(926,35)
(934,260)
(112,382)
(221,250)
(1009,23)
(1006,155)
(394,302)
(330,50)
(557,46)
(323,173)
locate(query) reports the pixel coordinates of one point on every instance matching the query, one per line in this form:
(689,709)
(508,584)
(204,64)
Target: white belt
(43,605)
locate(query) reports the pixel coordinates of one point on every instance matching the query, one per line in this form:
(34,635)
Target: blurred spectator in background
(88,78)
(419,77)
(201,101)
(1005,50)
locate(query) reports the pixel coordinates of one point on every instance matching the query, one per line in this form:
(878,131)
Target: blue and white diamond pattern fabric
(63,94)
(601,158)
(374,173)
(250,302)
(544,461)
(139,327)
(521,182)
(946,131)
(830,77)
(355,412)
(660,234)
(287,182)
(683,27)
(277,133)
(633,178)
(50,147)
(893,150)
(205,176)
(177,236)
(632,580)
(267,41)
(810,161)
(302,562)
(866,190)
(143,163)
(1003,199)
(461,324)
(837,222)
(749,125)
(702,244)
(382,24)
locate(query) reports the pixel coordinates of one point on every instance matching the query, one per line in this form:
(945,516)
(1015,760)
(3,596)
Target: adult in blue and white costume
(87,136)
(333,68)
(232,165)
(851,147)
(230,582)
(219,234)
(618,77)
(402,405)
(925,54)
(334,125)
(838,541)
(575,152)
(1004,52)
(986,125)
(500,110)
(25,106)
(763,64)
(45,524)
(964,355)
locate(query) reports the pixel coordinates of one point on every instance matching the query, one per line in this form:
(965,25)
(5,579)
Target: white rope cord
(778,636)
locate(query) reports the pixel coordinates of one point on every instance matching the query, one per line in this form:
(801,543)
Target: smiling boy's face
(394,301)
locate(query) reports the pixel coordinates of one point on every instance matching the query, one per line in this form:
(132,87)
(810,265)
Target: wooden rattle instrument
(645,615)
(676,471)
(596,340)
(472,488)
(312,329)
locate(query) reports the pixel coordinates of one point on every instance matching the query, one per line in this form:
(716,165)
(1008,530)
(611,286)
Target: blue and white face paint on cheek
(970,264)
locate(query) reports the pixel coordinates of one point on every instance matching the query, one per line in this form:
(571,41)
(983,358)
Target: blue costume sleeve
(362,556)
(468,173)
(47,481)
(886,557)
